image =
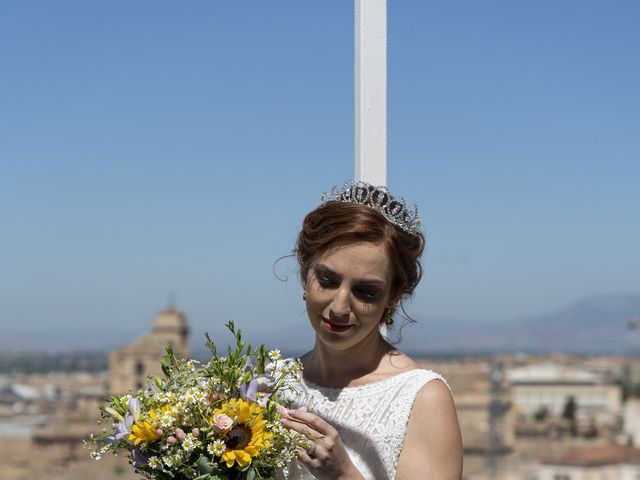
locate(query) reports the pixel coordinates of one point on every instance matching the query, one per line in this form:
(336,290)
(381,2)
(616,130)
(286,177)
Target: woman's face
(348,289)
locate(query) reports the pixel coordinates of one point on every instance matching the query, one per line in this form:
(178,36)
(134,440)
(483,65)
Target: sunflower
(248,436)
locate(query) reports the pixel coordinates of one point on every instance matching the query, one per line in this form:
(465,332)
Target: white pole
(371,91)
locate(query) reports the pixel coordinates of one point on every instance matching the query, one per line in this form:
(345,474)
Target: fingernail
(284,413)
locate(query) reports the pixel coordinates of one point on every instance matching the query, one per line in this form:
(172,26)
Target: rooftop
(595,456)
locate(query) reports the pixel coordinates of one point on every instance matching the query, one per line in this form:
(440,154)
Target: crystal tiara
(394,209)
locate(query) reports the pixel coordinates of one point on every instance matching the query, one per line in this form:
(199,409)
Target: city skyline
(149,149)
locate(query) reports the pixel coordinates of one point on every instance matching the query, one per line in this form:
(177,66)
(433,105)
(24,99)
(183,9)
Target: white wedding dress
(371,419)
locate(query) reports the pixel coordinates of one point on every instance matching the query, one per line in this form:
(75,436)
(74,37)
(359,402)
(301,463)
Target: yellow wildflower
(146,430)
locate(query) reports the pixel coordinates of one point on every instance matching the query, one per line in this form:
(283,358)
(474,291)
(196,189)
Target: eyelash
(327,283)
(368,297)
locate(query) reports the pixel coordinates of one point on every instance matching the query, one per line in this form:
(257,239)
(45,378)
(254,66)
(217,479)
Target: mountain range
(596,325)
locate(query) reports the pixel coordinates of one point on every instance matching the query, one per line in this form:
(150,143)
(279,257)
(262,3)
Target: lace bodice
(371,419)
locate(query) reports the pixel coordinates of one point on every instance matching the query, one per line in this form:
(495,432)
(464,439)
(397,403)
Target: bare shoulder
(397,362)
(433,394)
(433,445)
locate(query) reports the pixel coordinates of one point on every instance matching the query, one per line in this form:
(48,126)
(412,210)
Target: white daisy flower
(190,395)
(275,355)
(189,443)
(216,448)
(191,365)
(166,421)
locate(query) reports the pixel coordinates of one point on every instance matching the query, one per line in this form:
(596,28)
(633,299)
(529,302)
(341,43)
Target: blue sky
(152,147)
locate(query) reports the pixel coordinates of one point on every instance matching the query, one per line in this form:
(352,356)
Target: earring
(388,316)
(304,295)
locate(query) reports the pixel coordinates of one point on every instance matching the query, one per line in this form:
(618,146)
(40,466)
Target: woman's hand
(327,458)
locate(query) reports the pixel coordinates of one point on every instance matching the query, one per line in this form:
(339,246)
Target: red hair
(335,224)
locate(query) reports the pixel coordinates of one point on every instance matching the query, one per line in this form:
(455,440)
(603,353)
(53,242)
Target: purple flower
(263,400)
(122,429)
(249,390)
(265,383)
(134,408)
(262,384)
(138,458)
(249,364)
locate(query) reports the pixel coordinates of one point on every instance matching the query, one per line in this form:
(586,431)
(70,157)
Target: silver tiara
(394,209)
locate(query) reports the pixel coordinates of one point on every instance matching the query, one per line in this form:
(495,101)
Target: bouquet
(213,421)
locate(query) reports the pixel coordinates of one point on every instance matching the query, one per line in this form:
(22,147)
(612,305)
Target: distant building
(129,366)
(488,439)
(631,420)
(607,462)
(550,386)
(480,432)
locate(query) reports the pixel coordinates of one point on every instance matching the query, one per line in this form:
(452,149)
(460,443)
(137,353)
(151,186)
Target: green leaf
(231,327)
(251,474)
(158,382)
(168,361)
(210,344)
(166,367)
(262,356)
(203,465)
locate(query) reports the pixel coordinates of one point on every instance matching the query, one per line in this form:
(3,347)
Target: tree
(569,413)
(541,414)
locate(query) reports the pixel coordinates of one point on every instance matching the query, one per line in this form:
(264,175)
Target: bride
(375,413)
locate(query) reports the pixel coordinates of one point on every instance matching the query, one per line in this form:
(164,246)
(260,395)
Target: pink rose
(222,422)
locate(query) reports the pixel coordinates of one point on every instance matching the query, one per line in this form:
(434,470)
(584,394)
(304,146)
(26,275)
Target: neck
(331,367)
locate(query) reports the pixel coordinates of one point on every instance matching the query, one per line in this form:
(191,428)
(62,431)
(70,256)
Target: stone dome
(170,320)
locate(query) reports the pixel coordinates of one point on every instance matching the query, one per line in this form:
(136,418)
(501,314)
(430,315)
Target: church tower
(130,365)
(170,326)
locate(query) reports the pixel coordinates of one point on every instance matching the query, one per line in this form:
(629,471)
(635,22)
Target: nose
(340,305)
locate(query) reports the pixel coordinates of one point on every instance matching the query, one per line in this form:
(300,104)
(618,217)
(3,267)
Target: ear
(394,302)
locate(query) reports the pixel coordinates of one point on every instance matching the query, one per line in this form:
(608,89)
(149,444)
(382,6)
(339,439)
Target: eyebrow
(364,281)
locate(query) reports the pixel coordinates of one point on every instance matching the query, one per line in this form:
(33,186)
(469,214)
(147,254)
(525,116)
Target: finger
(312,462)
(312,420)
(306,459)
(300,427)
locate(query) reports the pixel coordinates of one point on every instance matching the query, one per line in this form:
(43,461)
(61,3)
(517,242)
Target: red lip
(335,327)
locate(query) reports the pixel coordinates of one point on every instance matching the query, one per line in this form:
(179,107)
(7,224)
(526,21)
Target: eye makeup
(367,290)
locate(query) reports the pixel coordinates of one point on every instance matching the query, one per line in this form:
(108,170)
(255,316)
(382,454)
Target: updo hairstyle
(337,223)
